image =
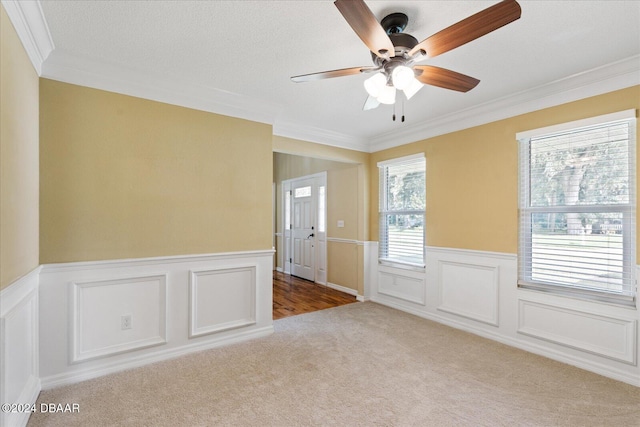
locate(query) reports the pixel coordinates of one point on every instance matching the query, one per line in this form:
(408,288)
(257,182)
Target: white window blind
(577,209)
(402,211)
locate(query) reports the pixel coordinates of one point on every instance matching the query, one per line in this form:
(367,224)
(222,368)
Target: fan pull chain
(393,117)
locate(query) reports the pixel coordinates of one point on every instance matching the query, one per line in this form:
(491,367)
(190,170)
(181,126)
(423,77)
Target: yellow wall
(287,166)
(342,204)
(298,147)
(313,155)
(124,177)
(472,175)
(342,257)
(18,157)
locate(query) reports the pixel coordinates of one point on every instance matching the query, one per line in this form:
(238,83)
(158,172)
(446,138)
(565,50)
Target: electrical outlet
(125,322)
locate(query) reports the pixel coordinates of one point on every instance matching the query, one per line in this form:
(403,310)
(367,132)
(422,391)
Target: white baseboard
(174,305)
(29,396)
(346,290)
(107,368)
(601,338)
(341,288)
(19,349)
(538,349)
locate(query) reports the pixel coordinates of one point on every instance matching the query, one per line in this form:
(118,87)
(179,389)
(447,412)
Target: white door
(303,229)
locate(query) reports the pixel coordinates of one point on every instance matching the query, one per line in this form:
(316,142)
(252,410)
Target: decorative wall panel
(603,335)
(222,299)
(403,286)
(469,290)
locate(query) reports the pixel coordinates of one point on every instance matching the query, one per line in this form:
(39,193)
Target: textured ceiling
(252,48)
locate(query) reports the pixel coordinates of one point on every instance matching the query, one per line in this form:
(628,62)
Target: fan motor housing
(402,42)
(394,25)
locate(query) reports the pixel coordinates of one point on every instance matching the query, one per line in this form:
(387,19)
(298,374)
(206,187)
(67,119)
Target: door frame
(320,236)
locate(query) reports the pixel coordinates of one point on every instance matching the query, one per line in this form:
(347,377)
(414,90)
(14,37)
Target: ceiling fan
(395,53)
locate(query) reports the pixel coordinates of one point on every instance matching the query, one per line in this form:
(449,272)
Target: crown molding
(32,29)
(320,136)
(68,68)
(617,75)
(28,19)
(65,67)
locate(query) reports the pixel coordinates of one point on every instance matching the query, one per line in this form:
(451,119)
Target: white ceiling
(236,57)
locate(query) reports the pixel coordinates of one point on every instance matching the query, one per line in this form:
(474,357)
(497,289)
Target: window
(287,210)
(321,209)
(302,192)
(402,207)
(577,208)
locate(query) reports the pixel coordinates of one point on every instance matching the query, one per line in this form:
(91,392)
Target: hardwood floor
(292,296)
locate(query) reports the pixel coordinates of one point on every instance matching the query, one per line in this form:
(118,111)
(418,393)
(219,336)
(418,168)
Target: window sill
(402,265)
(581,294)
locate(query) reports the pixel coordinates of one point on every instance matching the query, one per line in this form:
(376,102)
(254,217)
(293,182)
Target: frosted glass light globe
(413,88)
(402,77)
(375,84)
(388,95)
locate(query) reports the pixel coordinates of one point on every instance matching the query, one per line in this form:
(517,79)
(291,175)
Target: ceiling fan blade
(469,29)
(444,78)
(370,103)
(366,26)
(331,74)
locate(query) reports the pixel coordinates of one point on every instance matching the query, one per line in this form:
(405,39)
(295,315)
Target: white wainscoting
(177,305)
(602,335)
(19,364)
(222,299)
(98,308)
(406,285)
(476,299)
(477,291)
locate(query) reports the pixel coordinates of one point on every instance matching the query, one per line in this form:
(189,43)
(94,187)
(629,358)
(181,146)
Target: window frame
(628,210)
(383,211)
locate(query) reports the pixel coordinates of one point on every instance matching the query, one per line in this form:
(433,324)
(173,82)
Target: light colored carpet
(356,365)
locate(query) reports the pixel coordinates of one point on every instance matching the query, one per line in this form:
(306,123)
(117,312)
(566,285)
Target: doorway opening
(328,196)
(293,296)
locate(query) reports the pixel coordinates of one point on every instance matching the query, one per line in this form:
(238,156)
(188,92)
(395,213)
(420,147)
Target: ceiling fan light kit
(402,77)
(375,84)
(387,95)
(395,53)
(413,88)
(383,89)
